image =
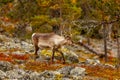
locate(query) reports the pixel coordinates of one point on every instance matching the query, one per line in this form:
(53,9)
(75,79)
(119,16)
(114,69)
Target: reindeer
(51,41)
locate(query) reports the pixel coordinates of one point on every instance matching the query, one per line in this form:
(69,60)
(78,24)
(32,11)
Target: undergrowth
(94,70)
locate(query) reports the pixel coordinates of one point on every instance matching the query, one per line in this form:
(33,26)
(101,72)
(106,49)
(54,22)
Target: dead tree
(105,42)
(118,50)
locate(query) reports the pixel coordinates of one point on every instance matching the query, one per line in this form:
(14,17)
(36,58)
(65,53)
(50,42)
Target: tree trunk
(118,51)
(105,42)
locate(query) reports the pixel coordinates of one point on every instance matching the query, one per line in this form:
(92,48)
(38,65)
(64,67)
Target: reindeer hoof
(36,56)
(52,61)
(64,62)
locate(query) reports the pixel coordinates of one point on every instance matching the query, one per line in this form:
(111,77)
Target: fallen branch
(88,48)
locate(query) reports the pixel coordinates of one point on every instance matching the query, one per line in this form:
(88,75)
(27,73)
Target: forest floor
(103,70)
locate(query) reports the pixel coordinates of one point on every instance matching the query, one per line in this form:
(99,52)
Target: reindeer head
(68,40)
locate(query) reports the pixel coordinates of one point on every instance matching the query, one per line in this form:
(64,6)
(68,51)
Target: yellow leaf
(107,18)
(74,1)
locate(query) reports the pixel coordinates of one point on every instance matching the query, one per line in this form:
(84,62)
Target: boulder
(92,61)
(26,76)
(66,70)
(78,71)
(26,46)
(2,75)
(5,66)
(72,57)
(11,45)
(49,74)
(109,66)
(16,40)
(28,29)
(30,76)
(3,38)
(15,73)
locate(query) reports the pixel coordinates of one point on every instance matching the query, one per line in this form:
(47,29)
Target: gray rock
(2,75)
(15,74)
(12,44)
(3,48)
(49,74)
(46,75)
(89,61)
(16,40)
(66,79)
(109,66)
(72,57)
(28,29)
(49,78)
(65,70)
(77,71)
(12,74)
(4,38)
(24,43)
(34,76)
(92,61)
(18,52)
(26,76)
(5,66)
(77,77)
(1,44)
(29,75)
(96,62)
(43,58)
(26,46)
(42,78)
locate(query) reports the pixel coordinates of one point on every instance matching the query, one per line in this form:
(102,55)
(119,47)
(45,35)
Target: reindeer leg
(53,53)
(62,55)
(36,50)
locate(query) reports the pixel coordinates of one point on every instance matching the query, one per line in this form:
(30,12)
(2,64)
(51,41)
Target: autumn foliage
(4,57)
(101,71)
(12,57)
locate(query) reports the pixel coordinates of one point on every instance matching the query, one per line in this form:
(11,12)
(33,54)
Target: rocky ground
(17,62)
